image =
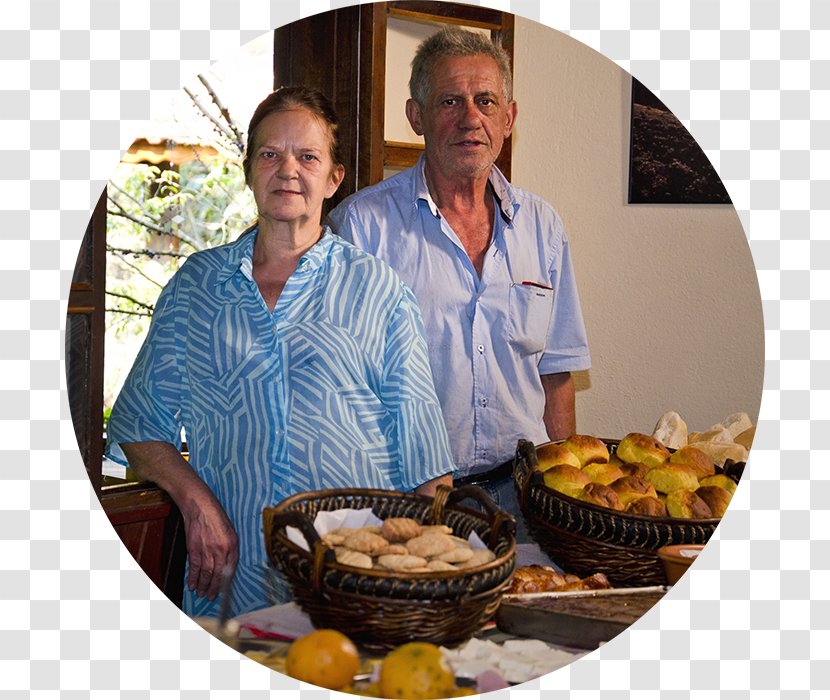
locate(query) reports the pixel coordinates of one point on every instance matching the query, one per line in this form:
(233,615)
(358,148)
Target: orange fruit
(416,671)
(327,658)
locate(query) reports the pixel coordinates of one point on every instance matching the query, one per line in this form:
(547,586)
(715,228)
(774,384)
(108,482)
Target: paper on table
(517,660)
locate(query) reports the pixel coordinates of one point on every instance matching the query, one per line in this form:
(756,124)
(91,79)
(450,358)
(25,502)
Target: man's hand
(560,405)
(212,547)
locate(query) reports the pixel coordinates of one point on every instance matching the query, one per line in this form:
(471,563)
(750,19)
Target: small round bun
(587,448)
(647,505)
(694,458)
(672,477)
(635,469)
(630,488)
(601,495)
(566,479)
(637,447)
(720,480)
(551,454)
(716,498)
(687,504)
(602,473)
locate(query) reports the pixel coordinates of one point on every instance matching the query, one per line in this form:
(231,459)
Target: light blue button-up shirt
(331,390)
(490,338)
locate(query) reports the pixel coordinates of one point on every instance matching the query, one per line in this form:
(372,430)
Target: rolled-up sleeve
(409,393)
(567,345)
(148,406)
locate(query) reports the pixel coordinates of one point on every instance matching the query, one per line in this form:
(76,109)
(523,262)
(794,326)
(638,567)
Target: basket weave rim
(286,505)
(608,512)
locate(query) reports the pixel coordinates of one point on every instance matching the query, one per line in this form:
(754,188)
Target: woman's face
(292,171)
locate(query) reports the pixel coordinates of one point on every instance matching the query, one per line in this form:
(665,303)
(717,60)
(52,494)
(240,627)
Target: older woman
(292,360)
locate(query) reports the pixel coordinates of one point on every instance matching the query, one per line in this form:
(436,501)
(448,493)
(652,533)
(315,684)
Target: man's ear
(337,175)
(413,114)
(512,113)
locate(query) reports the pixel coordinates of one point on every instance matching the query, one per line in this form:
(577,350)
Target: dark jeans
(503,493)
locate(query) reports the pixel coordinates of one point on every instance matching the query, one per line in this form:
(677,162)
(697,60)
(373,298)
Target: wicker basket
(382,609)
(585,539)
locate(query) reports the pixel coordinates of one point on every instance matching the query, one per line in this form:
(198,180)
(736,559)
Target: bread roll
(672,477)
(601,495)
(635,469)
(671,430)
(720,480)
(587,449)
(716,497)
(552,454)
(566,479)
(630,488)
(636,447)
(687,504)
(694,458)
(602,473)
(647,505)
(719,452)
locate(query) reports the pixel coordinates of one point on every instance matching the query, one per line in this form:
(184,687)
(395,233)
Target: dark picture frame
(666,164)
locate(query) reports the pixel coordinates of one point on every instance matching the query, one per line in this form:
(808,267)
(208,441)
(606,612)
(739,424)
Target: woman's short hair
(452,41)
(294,97)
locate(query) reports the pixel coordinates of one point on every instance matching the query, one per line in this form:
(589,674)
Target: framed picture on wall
(666,165)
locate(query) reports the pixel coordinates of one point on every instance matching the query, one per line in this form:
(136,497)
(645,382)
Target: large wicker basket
(380,610)
(585,539)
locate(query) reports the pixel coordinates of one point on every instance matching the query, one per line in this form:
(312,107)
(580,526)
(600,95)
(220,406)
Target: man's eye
(308,157)
(450,101)
(268,154)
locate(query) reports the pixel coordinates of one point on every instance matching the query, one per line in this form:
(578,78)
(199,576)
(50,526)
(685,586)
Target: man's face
(465,119)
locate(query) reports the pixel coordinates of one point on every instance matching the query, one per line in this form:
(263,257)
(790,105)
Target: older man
(489,264)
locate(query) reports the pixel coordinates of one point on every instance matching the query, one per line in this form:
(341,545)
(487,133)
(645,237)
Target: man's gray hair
(452,41)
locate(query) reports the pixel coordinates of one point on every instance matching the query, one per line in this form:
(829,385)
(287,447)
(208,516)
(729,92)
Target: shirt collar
(241,255)
(501,186)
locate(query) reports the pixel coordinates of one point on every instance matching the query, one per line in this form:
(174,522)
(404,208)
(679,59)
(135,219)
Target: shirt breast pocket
(530,309)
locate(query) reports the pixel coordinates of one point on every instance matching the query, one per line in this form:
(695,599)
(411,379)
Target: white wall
(669,292)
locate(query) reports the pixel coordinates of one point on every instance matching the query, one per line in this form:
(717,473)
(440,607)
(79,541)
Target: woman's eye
(268,154)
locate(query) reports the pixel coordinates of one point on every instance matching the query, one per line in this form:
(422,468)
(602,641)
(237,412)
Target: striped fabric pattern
(333,389)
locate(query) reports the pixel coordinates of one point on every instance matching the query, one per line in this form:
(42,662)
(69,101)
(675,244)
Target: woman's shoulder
(360,265)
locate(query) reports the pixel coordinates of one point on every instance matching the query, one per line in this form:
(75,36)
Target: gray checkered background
(78,79)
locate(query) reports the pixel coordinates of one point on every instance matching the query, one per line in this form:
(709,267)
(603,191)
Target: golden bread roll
(601,495)
(716,497)
(719,452)
(745,438)
(671,430)
(630,488)
(672,477)
(694,458)
(687,504)
(587,449)
(566,479)
(647,505)
(720,480)
(615,460)
(636,447)
(602,473)
(635,469)
(552,454)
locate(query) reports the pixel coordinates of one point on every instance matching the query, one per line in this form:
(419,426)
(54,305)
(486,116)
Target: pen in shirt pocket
(538,285)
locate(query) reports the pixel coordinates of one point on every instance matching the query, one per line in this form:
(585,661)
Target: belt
(499,473)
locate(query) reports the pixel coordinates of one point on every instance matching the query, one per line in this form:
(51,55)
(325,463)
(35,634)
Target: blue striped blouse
(333,389)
